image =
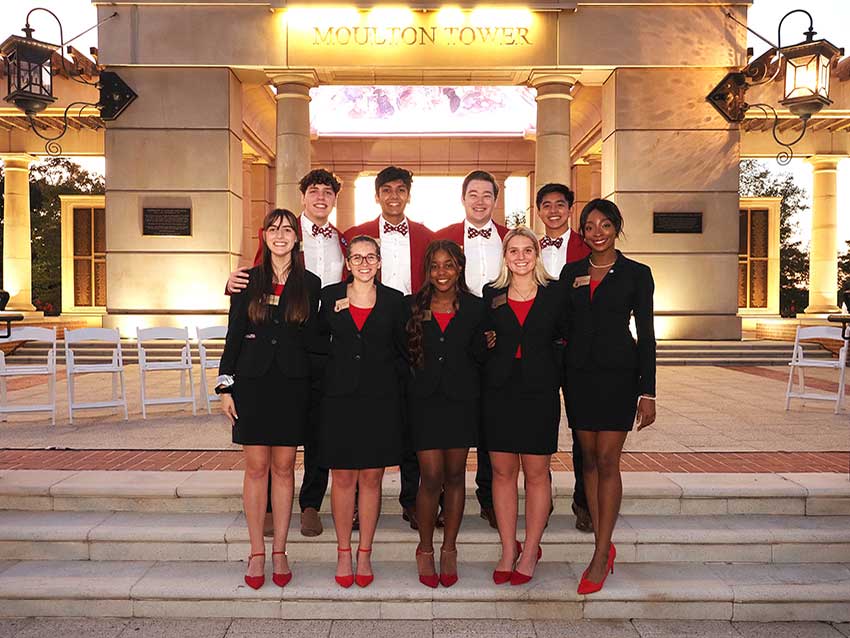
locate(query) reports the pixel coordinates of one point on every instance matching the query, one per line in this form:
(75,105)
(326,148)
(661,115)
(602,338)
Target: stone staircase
(697,546)
(737,353)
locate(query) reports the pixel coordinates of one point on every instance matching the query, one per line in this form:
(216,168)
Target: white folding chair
(48,369)
(115,368)
(183,363)
(207,362)
(799,361)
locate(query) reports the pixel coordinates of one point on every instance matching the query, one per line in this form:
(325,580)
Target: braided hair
(421,303)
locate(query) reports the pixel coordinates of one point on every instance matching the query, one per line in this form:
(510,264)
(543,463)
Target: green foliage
(757,180)
(48,179)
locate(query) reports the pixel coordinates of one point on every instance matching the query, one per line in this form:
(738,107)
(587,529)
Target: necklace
(525,297)
(603,265)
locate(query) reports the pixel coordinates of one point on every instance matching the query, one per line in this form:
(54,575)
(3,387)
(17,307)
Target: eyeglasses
(370,259)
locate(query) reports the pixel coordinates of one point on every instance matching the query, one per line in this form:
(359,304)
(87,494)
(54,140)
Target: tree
(757,180)
(48,179)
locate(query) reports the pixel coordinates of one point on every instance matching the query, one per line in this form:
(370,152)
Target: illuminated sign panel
(446,38)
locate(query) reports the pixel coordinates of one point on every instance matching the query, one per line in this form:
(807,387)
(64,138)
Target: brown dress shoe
(311,524)
(409,514)
(583,521)
(489,515)
(268,525)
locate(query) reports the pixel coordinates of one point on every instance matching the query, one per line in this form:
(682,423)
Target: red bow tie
(401,228)
(548,241)
(325,231)
(472,233)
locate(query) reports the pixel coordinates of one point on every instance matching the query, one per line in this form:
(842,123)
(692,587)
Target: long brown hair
(297,307)
(422,299)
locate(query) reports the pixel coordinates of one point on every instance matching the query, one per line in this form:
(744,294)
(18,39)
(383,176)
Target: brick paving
(191,460)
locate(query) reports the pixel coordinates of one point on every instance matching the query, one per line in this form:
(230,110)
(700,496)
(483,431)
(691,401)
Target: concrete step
(651,493)
(120,536)
(703,591)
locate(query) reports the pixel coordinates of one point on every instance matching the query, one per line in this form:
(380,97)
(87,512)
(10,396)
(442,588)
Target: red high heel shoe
(447,580)
(429,581)
(280,579)
(502,577)
(344,581)
(586,586)
(364,580)
(255,582)
(518,578)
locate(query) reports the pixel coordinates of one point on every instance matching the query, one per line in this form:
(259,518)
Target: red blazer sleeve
(369,228)
(420,237)
(453,232)
(576,248)
(502,230)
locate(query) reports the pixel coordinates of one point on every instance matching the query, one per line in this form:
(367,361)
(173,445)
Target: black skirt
(439,422)
(601,400)
(519,421)
(272,409)
(360,432)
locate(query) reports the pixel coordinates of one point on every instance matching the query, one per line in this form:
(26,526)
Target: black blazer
(599,335)
(373,361)
(452,360)
(250,349)
(545,323)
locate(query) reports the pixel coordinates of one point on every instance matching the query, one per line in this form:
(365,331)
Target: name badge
(341,304)
(426,315)
(500,300)
(581,281)
(271,300)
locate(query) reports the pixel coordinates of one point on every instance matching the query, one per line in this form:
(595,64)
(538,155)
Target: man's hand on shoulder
(238,280)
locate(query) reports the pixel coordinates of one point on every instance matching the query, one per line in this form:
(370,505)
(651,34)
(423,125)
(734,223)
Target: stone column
(823,251)
(17,251)
(293,135)
(587,187)
(665,149)
(249,232)
(345,207)
(552,151)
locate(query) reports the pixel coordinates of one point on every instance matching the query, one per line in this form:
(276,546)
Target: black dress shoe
(409,514)
(583,521)
(489,515)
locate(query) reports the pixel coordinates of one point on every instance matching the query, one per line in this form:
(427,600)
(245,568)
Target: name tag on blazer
(341,304)
(500,300)
(271,300)
(584,280)
(426,315)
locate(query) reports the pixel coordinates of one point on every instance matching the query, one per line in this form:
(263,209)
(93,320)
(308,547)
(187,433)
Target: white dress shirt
(555,258)
(483,257)
(322,255)
(395,258)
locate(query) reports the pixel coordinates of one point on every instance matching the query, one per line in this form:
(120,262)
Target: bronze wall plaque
(677,223)
(167,221)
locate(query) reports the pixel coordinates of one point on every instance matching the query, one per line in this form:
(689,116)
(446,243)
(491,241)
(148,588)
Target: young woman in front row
(610,382)
(521,409)
(264,383)
(361,422)
(447,344)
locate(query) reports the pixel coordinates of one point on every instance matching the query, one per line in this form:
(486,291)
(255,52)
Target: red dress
(593,286)
(521,309)
(443,319)
(360,315)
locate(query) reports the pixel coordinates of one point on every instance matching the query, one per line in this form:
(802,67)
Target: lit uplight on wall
(450,17)
(496,17)
(389,17)
(305,17)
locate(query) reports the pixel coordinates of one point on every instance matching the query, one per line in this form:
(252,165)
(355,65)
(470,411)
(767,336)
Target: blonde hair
(541,277)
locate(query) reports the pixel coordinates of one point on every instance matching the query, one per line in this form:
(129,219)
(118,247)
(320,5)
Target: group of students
(393,345)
